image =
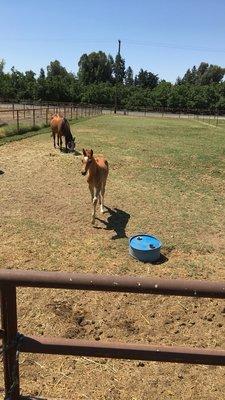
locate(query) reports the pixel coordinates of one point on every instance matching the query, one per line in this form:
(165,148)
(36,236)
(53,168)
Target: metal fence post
(9,325)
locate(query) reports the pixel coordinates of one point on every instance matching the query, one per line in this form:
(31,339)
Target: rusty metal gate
(13,342)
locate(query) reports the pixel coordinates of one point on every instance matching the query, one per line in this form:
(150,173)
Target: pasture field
(166,178)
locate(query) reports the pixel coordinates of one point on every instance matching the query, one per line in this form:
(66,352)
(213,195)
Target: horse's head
(87,160)
(71,144)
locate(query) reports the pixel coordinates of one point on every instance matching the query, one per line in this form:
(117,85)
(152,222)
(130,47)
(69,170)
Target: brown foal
(98,169)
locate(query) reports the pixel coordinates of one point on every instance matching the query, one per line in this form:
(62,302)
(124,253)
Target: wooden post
(9,326)
(46,116)
(24,111)
(33,116)
(64,111)
(13,110)
(71,112)
(17,121)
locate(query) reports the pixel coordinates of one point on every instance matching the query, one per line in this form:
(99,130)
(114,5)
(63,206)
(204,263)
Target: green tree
(161,94)
(129,76)
(119,69)
(56,69)
(2,66)
(95,68)
(30,85)
(146,79)
(41,85)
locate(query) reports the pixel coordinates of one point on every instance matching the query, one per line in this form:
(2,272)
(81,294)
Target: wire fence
(19,116)
(207,116)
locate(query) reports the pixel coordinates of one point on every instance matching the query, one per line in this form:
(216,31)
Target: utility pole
(115,103)
(119,41)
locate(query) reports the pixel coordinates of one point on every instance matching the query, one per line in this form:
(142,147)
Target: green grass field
(166,178)
(171,173)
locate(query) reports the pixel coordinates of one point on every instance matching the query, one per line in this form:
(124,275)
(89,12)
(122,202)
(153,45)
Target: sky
(165,37)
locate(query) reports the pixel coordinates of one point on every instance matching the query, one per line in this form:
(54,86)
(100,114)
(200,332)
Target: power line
(173,46)
(128,42)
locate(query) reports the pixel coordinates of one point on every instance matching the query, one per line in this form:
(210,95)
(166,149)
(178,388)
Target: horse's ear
(91,152)
(84,152)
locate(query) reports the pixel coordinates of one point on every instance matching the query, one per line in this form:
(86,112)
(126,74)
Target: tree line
(102,79)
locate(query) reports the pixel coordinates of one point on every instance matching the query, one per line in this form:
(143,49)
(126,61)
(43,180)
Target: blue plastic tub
(145,247)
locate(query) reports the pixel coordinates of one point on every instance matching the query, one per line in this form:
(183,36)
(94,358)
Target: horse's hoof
(93,221)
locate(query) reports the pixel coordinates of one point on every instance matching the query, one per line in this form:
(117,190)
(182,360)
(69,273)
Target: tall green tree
(95,67)
(146,79)
(205,74)
(129,76)
(2,66)
(56,69)
(119,69)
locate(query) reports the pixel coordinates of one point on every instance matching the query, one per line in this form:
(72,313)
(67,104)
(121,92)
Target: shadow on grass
(161,260)
(32,398)
(75,152)
(117,221)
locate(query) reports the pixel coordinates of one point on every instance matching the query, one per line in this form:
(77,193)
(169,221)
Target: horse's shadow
(74,152)
(117,221)
(1,172)
(32,398)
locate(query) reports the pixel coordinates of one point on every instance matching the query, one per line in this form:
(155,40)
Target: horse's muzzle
(84,173)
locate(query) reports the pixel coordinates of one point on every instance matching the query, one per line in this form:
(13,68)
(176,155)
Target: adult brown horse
(60,127)
(98,170)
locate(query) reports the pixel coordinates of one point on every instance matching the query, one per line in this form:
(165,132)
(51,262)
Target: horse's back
(55,123)
(64,128)
(102,163)
(103,168)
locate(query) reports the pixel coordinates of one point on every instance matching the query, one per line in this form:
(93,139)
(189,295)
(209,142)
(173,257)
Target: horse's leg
(91,188)
(95,200)
(66,143)
(53,134)
(102,193)
(58,139)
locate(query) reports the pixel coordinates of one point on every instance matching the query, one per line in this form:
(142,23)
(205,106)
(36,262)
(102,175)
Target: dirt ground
(45,225)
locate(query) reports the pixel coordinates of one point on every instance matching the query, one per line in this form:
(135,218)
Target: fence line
(13,342)
(35,112)
(40,113)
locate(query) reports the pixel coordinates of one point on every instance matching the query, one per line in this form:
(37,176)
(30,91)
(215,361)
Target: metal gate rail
(13,342)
